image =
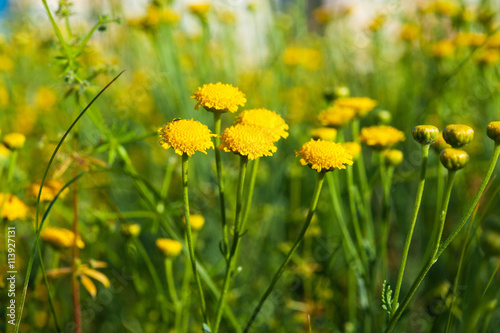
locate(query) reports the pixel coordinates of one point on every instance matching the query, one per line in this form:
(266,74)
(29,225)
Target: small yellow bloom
(377,22)
(168,247)
(12,208)
(337,116)
(487,57)
(219,97)
(380,137)
(454,159)
(14,141)
(458,135)
(324,133)
(470,39)
(60,238)
(186,136)
(267,119)
(49,191)
(448,8)
(6,63)
(410,32)
(425,134)
(197,221)
(352,148)
(131,229)
(392,157)
(308,58)
(323,156)
(493,131)
(200,9)
(45,98)
(248,140)
(4,151)
(362,105)
(443,48)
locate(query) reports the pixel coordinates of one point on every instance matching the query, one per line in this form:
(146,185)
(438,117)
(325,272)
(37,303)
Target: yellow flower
(470,39)
(392,157)
(454,159)
(336,116)
(61,238)
(14,141)
(45,98)
(49,191)
(458,135)
(267,119)
(197,221)
(322,15)
(362,105)
(200,9)
(186,136)
(448,8)
(248,140)
(169,248)
(493,131)
(12,208)
(131,229)
(442,48)
(379,137)
(219,97)
(4,151)
(377,22)
(352,148)
(324,133)
(487,57)
(324,156)
(410,32)
(306,57)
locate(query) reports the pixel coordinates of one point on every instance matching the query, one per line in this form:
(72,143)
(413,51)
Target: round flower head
(197,221)
(425,134)
(200,9)
(267,119)
(4,151)
(324,133)
(219,97)
(336,116)
(60,238)
(458,135)
(493,131)
(248,140)
(324,156)
(131,229)
(12,208)
(14,141)
(362,105)
(168,247)
(352,148)
(454,159)
(439,145)
(186,136)
(392,157)
(380,137)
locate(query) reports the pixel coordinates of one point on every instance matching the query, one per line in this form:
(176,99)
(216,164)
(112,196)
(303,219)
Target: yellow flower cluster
(219,97)
(324,156)
(60,238)
(266,119)
(186,136)
(248,140)
(155,16)
(380,137)
(12,208)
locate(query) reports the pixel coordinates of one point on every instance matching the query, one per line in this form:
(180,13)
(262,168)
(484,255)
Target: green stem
(12,166)
(220,181)
(354,216)
(231,262)
(416,208)
(172,292)
(432,259)
(251,186)
(185,166)
(277,275)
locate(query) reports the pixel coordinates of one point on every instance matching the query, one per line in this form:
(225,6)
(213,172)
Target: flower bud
(425,134)
(168,247)
(458,135)
(454,159)
(383,117)
(493,131)
(14,141)
(131,229)
(392,157)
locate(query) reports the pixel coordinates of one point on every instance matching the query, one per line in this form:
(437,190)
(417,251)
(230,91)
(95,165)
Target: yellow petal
(89,285)
(97,276)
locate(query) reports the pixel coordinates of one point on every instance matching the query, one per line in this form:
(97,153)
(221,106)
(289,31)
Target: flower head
(186,136)
(324,156)
(200,9)
(11,207)
(361,105)
(379,137)
(458,135)
(248,140)
(49,191)
(392,157)
(324,133)
(352,148)
(267,119)
(197,221)
(425,134)
(169,248)
(493,131)
(14,141)
(336,116)
(61,238)
(219,97)
(131,229)
(454,159)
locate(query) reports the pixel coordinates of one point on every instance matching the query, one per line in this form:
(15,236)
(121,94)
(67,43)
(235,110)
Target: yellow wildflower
(380,137)
(131,229)
(219,97)
(197,221)
(45,98)
(170,248)
(12,208)
(454,159)
(323,156)
(324,133)
(448,8)
(60,238)
(470,39)
(248,140)
(377,22)
(493,131)
(392,157)
(306,57)
(4,151)
(186,136)
(200,9)
(14,141)
(410,32)
(362,105)
(458,135)
(442,48)
(336,116)
(322,15)
(352,148)
(487,57)
(49,191)
(267,119)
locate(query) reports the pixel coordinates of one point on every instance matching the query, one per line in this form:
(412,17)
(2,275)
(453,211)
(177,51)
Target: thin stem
(185,165)
(251,186)
(490,280)
(231,262)
(416,208)
(354,216)
(172,292)
(277,275)
(220,181)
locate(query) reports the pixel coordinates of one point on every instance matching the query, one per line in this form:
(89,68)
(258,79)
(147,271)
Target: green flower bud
(425,134)
(383,117)
(454,159)
(458,135)
(493,131)
(392,157)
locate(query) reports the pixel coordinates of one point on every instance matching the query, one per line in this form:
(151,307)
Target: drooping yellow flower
(336,116)
(324,133)
(14,141)
(60,238)
(12,208)
(197,221)
(49,191)
(219,97)
(186,136)
(362,105)
(248,140)
(352,148)
(380,137)
(267,119)
(170,248)
(324,156)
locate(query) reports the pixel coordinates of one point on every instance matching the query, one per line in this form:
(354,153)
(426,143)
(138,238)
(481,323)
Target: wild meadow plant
(115,234)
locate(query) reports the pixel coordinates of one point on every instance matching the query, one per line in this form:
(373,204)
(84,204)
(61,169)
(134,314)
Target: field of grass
(250,166)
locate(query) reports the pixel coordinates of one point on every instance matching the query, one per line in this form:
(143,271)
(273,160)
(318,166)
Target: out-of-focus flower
(442,48)
(4,151)
(186,136)
(200,9)
(362,105)
(226,16)
(487,57)
(12,208)
(447,8)
(248,140)
(45,98)
(267,119)
(14,141)
(377,23)
(392,157)
(470,39)
(352,148)
(410,32)
(170,248)
(322,15)
(131,229)
(6,63)
(197,221)
(308,58)
(336,116)
(324,133)
(324,156)
(60,238)
(381,137)
(219,97)
(49,191)
(440,144)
